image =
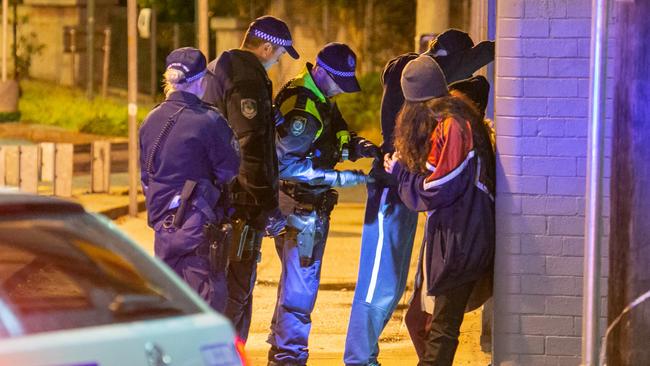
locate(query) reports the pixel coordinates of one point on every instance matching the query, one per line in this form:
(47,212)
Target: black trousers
(441,340)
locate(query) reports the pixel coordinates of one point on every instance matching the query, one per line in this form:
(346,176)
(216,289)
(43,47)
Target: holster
(247,242)
(219,237)
(303,230)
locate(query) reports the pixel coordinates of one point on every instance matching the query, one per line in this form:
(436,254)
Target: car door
(84,295)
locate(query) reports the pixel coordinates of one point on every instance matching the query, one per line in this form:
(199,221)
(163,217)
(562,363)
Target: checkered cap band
(345,74)
(195,77)
(273,39)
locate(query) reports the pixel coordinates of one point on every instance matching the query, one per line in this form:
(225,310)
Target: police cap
(340,62)
(190,61)
(275,31)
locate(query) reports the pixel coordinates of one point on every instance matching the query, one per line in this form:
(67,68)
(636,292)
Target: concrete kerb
(112,205)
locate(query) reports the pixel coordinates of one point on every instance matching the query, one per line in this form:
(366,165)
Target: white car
(74,291)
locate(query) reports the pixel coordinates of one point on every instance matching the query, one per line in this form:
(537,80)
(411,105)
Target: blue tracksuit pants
(297,292)
(386,246)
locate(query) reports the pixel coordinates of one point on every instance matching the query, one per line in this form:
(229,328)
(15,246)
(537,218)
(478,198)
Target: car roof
(12,203)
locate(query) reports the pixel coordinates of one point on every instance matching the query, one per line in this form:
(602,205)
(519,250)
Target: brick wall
(542,91)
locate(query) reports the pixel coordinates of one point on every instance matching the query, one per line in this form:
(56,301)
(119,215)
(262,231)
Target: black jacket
(239,86)
(456,67)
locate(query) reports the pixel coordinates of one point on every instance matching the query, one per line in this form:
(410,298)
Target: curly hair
(417,120)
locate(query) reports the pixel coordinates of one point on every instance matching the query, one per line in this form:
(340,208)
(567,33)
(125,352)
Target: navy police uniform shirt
(200,146)
(239,87)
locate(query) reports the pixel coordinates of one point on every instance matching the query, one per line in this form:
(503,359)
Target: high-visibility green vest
(289,98)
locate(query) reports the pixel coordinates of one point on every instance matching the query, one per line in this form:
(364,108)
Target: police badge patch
(298,125)
(249,108)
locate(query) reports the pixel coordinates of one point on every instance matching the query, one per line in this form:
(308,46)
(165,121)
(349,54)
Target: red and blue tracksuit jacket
(460,231)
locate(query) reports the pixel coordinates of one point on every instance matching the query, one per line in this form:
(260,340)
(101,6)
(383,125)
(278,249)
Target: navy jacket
(239,87)
(200,146)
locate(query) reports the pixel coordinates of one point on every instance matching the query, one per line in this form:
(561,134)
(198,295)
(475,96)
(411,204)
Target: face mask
(333,89)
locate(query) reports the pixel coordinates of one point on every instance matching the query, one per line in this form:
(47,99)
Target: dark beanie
(422,79)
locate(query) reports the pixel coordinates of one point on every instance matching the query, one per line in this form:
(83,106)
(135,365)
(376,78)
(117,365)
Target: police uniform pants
(296,297)
(386,246)
(241,281)
(194,269)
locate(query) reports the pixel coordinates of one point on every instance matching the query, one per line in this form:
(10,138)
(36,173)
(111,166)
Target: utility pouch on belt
(246,241)
(329,200)
(304,228)
(220,238)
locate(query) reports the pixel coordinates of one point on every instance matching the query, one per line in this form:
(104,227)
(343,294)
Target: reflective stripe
(195,77)
(273,39)
(345,74)
(10,321)
(480,184)
(454,173)
(380,245)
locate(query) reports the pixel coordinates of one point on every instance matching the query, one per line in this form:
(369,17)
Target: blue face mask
(332,89)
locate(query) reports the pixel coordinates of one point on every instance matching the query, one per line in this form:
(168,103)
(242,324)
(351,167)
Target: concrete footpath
(339,273)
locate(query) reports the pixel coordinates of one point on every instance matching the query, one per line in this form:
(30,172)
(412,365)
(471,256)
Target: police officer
(187,154)
(389,229)
(239,86)
(309,144)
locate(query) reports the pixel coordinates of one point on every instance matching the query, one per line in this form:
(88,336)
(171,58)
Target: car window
(70,271)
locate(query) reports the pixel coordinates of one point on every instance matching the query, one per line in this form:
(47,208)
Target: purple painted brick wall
(542,91)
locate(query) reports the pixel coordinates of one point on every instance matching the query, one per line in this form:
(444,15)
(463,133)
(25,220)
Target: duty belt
(310,198)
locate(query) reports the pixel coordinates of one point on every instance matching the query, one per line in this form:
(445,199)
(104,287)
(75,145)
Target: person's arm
(453,172)
(392,98)
(223,149)
(249,115)
(144,176)
(293,142)
(217,82)
(463,64)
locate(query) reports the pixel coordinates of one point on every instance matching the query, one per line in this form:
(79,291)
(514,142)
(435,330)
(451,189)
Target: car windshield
(72,270)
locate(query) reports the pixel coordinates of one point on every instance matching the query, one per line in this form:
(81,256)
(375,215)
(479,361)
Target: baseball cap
(423,79)
(275,31)
(476,88)
(453,40)
(189,60)
(340,62)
